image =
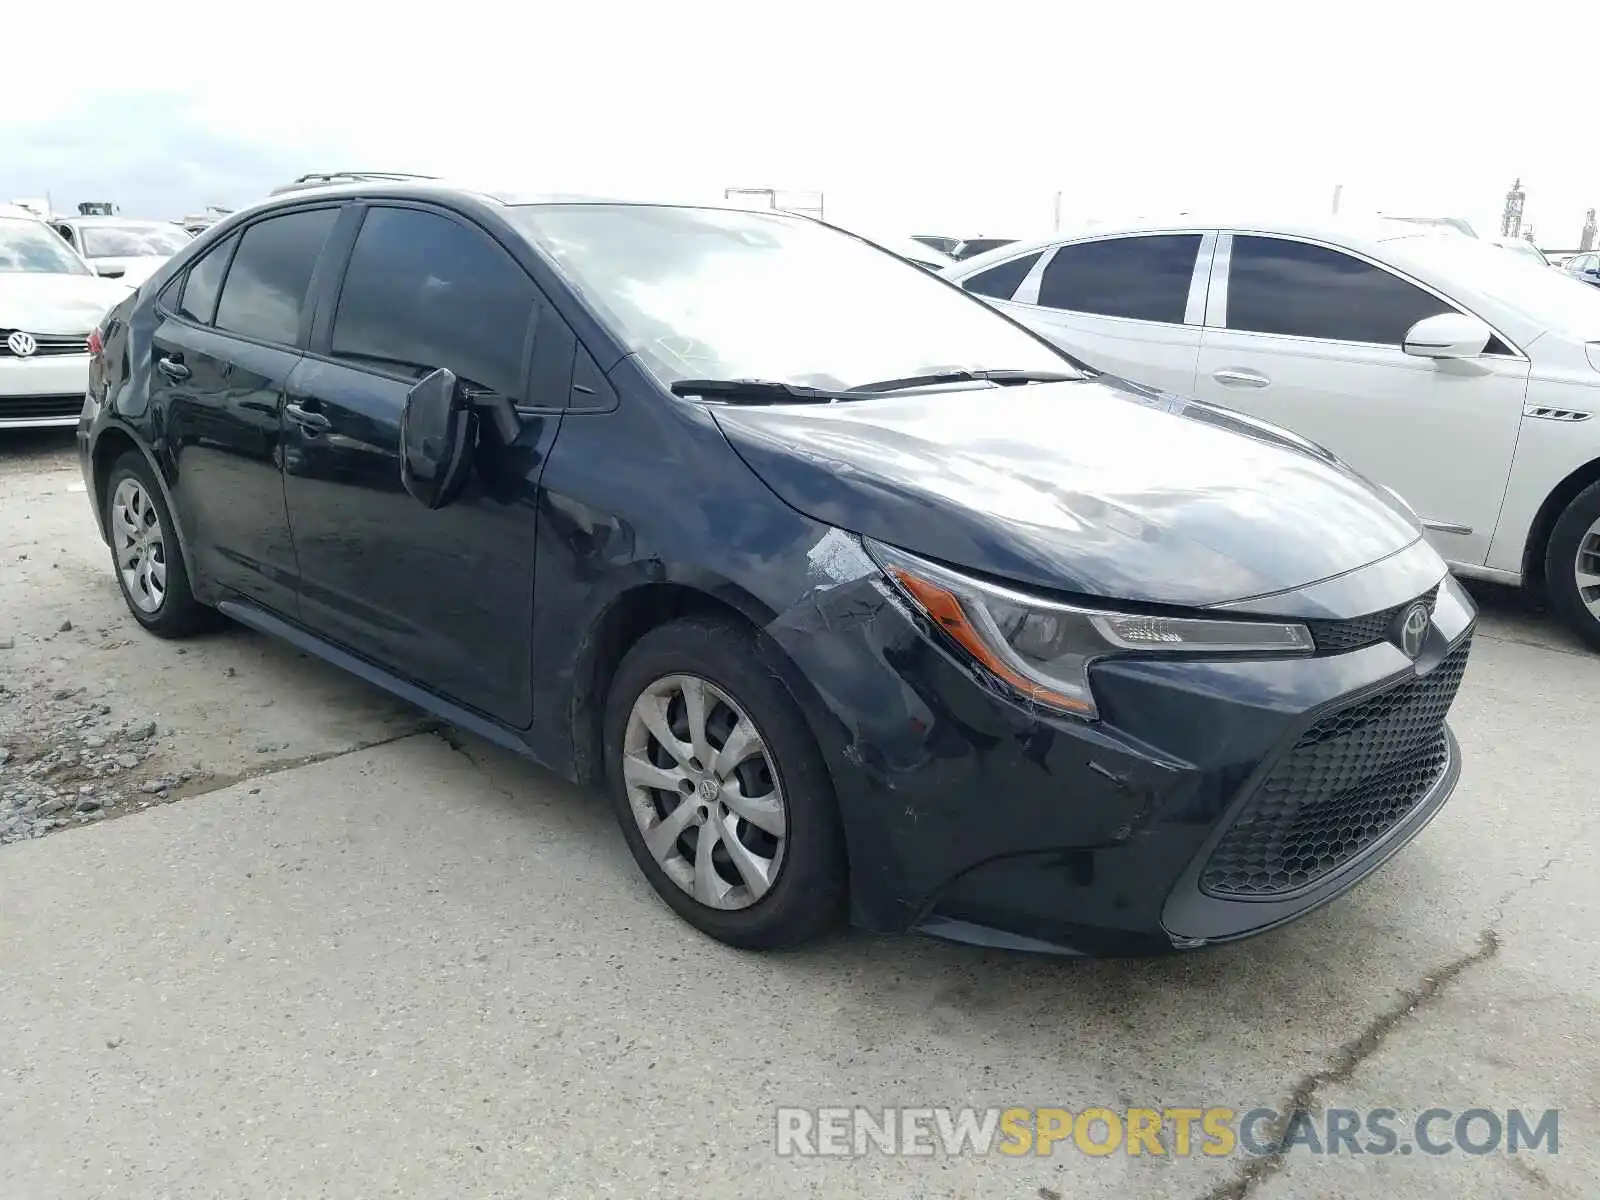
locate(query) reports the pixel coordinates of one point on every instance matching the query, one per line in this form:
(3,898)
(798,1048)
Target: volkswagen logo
(21,344)
(1411,630)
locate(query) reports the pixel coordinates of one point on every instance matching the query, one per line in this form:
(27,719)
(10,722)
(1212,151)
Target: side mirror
(438,431)
(1448,335)
(110,270)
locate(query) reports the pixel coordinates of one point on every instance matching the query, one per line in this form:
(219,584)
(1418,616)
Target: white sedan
(50,302)
(1465,378)
(122,248)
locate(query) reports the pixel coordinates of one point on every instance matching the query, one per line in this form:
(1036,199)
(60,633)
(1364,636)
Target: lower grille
(34,408)
(1349,779)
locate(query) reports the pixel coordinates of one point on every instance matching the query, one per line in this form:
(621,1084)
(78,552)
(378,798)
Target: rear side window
(265,293)
(1301,290)
(1002,282)
(424,292)
(1145,278)
(198,300)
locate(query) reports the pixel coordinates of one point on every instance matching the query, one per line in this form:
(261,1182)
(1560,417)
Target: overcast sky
(962,118)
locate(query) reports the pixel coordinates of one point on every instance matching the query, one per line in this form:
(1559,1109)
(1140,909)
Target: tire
(156,586)
(799,887)
(1576,531)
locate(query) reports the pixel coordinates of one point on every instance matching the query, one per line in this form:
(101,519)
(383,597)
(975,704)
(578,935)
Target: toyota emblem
(21,344)
(1412,630)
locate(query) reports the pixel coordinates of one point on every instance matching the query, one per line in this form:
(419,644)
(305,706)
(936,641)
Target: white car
(122,248)
(1462,377)
(50,301)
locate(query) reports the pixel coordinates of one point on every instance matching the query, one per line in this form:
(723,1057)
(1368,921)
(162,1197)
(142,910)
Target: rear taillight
(96,345)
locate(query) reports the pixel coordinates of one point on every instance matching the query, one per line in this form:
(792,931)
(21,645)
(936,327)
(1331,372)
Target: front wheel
(1572,565)
(720,789)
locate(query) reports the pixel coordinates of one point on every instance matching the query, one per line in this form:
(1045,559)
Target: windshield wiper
(769,391)
(1005,376)
(761,391)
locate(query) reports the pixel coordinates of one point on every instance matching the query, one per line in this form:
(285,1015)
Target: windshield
(708,293)
(1549,298)
(1527,249)
(132,241)
(33,248)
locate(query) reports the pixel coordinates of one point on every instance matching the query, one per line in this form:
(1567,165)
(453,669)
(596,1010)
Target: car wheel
(1572,565)
(720,789)
(144,550)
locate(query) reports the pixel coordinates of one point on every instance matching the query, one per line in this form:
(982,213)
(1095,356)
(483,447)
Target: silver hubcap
(702,786)
(1588,570)
(139,545)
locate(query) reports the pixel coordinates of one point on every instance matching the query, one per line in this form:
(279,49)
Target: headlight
(1043,649)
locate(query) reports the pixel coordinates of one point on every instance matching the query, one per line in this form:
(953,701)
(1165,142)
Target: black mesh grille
(1349,779)
(35,408)
(1335,637)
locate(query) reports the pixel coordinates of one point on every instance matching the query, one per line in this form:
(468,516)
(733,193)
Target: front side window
(704,293)
(1001,282)
(198,301)
(33,248)
(1294,288)
(132,241)
(1144,278)
(423,292)
(265,292)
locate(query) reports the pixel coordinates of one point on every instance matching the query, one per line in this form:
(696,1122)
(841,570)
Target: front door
(220,358)
(1309,337)
(443,598)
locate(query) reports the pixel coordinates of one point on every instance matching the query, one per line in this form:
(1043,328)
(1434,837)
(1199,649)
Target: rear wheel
(1572,565)
(720,789)
(144,550)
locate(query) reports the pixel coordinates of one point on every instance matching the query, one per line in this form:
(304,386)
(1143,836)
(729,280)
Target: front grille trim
(1357,633)
(51,345)
(1260,854)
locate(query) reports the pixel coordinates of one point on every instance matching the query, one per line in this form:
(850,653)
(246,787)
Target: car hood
(1098,488)
(71,304)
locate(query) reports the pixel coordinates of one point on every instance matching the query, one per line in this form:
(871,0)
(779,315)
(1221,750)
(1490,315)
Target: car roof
(16,210)
(1355,232)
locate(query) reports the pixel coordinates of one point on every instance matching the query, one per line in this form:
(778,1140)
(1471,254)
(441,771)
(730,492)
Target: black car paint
(968,812)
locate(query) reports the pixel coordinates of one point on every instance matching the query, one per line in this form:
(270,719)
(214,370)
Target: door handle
(1231,378)
(311,422)
(171,365)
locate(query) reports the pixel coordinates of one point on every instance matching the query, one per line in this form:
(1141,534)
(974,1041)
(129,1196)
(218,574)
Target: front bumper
(43,392)
(1212,801)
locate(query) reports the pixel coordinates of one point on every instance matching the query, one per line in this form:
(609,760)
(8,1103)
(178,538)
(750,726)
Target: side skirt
(264,622)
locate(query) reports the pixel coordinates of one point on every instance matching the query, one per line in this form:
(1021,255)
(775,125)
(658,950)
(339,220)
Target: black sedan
(853,594)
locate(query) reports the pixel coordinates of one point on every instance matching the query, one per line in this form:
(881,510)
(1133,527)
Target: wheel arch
(1544,521)
(635,612)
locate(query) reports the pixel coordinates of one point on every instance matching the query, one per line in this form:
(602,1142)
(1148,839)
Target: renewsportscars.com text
(1174,1132)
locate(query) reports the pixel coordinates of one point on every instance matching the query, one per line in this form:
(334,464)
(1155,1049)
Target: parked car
(122,248)
(1453,224)
(1438,365)
(913,250)
(1584,267)
(50,302)
(853,593)
(972,247)
(944,245)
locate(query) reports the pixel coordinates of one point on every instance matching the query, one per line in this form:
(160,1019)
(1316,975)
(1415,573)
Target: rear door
(1309,336)
(443,597)
(229,335)
(1129,305)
